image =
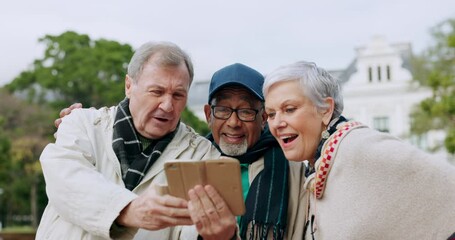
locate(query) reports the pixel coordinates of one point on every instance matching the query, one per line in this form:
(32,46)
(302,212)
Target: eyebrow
(158,86)
(284,103)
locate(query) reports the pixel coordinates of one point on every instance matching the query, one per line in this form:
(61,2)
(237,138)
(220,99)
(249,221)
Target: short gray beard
(233,149)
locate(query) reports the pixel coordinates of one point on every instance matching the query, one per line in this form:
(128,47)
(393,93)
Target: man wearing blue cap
(236,117)
(272,185)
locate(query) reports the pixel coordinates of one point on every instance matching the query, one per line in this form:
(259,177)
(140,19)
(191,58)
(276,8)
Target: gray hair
(316,83)
(170,55)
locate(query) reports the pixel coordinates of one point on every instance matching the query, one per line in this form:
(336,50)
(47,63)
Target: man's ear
(128,85)
(328,112)
(208,113)
(264,118)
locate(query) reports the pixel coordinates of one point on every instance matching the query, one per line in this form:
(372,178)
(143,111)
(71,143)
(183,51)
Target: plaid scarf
(267,199)
(134,160)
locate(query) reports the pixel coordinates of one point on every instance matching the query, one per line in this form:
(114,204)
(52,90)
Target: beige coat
(382,188)
(84,183)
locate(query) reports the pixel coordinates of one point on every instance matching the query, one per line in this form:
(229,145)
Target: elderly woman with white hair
(362,184)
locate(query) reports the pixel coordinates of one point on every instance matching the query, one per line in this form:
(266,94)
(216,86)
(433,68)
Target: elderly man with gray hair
(101,170)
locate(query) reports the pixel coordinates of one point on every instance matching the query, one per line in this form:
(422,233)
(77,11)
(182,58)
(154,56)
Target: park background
(55,53)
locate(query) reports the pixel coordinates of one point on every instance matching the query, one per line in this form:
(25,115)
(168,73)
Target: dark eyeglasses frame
(236,112)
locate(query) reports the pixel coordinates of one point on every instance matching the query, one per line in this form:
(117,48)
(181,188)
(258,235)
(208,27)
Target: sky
(263,34)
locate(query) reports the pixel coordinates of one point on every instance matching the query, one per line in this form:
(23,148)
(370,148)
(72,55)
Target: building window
(370,74)
(420,141)
(388,72)
(379,73)
(381,124)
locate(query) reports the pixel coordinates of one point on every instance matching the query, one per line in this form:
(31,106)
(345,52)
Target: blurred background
(394,58)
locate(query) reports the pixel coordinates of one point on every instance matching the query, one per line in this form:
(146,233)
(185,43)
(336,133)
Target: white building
(378,90)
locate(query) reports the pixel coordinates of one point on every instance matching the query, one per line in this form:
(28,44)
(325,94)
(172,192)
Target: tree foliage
(76,69)
(5,146)
(435,68)
(25,130)
(190,119)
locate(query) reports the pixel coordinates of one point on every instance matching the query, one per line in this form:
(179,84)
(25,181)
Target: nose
(233,120)
(166,104)
(277,122)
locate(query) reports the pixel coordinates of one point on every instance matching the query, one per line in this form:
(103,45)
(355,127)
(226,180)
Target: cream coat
(382,188)
(84,183)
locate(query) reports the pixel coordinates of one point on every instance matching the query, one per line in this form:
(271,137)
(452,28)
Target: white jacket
(84,182)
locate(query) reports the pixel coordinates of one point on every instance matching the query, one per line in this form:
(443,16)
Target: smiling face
(233,135)
(295,121)
(157,98)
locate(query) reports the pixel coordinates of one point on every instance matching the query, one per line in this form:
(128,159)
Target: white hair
(315,82)
(171,55)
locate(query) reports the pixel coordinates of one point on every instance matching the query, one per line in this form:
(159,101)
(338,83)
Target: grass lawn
(18,229)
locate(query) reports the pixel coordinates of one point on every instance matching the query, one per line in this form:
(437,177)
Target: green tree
(27,128)
(435,68)
(76,69)
(5,146)
(190,119)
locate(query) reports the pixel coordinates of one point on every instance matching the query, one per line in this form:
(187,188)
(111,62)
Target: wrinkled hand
(153,212)
(65,112)
(210,213)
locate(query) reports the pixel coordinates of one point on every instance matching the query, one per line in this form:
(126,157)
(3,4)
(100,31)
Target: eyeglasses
(244,114)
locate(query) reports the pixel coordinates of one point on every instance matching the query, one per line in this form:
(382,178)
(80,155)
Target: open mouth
(233,138)
(161,119)
(288,139)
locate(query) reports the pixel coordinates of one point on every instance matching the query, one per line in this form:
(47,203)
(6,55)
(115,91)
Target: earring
(325,134)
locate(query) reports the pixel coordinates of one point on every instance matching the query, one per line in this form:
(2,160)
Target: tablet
(223,174)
